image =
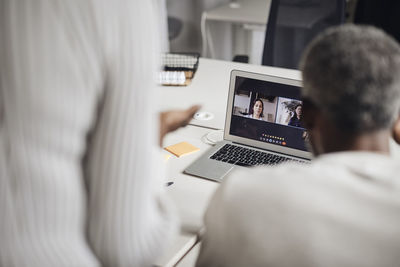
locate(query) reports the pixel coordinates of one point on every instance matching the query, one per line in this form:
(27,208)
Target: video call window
(280,110)
(268,112)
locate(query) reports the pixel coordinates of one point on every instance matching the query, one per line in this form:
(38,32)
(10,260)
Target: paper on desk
(181,149)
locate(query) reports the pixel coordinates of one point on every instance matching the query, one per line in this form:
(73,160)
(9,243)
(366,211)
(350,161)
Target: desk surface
(210,87)
(178,249)
(244,12)
(191,195)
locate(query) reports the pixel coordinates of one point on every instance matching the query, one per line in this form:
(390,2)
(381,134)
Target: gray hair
(352,74)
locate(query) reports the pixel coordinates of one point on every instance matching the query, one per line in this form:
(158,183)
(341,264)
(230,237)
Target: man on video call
(343,209)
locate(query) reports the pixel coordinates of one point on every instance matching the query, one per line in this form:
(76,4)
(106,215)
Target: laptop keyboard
(242,156)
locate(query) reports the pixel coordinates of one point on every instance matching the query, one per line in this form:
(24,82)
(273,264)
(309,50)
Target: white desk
(181,245)
(190,259)
(210,87)
(191,195)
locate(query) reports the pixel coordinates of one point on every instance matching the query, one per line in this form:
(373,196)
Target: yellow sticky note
(181,149)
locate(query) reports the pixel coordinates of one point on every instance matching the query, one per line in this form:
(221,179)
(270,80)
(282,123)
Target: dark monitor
(381,14)
(292,24)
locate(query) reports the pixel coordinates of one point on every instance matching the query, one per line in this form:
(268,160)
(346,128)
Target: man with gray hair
(343,209)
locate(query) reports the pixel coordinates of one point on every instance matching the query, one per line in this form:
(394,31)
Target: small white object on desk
(172,78)
(203,116)
(213,137)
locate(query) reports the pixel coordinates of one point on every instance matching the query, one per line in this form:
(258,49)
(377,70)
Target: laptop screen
(268,112)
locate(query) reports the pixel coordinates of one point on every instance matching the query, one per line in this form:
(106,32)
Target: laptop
(262,126)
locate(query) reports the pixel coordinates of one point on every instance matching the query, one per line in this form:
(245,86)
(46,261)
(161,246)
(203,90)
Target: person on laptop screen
(343,208)
(296,118)
(257,110)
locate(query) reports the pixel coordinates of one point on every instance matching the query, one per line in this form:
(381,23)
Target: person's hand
(173,119)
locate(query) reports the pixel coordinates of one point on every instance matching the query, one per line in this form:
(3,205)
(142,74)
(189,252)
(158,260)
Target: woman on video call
(257,110)
(296,118)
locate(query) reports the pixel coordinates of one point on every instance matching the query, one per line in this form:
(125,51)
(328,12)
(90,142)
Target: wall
(228,39)
(189,12)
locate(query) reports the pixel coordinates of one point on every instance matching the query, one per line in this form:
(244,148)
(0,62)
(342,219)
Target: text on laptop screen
(268,112)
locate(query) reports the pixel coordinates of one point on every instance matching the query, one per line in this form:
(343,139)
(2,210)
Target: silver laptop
(262,126)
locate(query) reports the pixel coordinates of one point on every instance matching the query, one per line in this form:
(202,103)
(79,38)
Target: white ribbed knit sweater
(80,181)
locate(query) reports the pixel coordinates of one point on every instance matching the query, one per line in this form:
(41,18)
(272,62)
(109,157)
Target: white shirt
(81,183)
(341,210)
(251,116)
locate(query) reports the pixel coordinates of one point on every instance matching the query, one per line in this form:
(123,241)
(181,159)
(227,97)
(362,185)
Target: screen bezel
(251,142)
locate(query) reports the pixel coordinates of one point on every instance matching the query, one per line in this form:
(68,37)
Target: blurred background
(266,32)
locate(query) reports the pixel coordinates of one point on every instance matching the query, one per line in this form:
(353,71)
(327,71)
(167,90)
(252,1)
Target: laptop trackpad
(215,171)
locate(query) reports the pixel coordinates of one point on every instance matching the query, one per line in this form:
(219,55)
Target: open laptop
(249,141)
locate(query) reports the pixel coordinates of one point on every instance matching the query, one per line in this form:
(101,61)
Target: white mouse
(203,116)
